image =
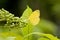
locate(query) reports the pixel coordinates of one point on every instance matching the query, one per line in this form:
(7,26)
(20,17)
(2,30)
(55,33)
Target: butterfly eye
(34,17)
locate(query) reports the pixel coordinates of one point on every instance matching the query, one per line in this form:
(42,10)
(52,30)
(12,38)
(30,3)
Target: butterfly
(34,17)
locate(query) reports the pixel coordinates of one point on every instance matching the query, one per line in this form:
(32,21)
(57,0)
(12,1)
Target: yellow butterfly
(34,17)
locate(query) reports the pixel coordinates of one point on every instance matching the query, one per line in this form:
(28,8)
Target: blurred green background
(50,10)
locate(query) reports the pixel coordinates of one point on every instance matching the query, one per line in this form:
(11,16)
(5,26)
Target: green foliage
(23,27)
(43,39)
(10,36)
(9,22)
(43,36)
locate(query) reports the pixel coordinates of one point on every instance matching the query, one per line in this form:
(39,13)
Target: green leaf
(10,36)
(43,36)
(43,39)
(48,36)
(27,13)
(28,29)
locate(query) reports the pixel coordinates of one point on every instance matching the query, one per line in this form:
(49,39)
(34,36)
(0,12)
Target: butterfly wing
(34,17)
